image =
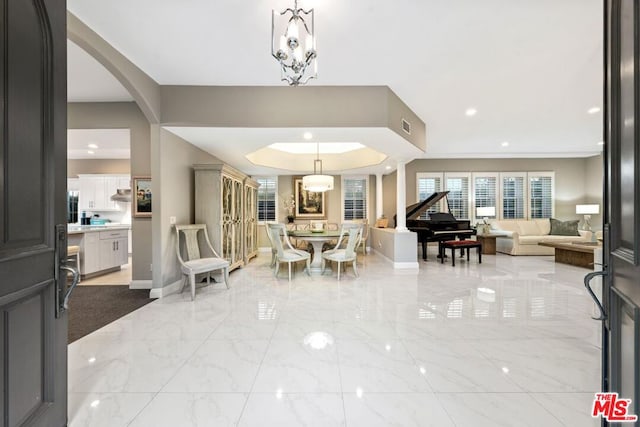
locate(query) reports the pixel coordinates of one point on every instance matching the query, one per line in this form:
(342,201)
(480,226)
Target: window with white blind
(267,198)
(513,195)
(355,193)
(458,186)
(485,193)
(541,194)
(426,185)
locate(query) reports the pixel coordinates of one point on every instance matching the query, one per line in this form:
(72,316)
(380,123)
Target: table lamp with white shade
(486,212)
(587,211)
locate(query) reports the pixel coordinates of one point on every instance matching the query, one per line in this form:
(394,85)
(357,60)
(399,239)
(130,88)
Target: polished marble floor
(508,342)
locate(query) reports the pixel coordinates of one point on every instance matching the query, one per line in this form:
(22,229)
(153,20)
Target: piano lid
(415,210)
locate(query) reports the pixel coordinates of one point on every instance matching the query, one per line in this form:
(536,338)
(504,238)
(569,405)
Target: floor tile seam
(182,365)
(444,408)
(415,363)
(495,362)
(344,409)
(143,408)
(493,392)
(217,326)
(255,379)
(547,410)
(112,392)
(441,357)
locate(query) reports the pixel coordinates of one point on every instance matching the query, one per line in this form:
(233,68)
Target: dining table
(317,239)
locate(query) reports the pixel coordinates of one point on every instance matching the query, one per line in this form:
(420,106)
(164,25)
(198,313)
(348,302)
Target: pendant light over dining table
(317,182)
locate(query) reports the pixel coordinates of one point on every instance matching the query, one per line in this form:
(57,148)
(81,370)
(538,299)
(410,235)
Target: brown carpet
(92,307)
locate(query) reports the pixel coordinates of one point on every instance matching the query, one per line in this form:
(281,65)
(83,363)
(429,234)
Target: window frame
(275,197)
(458,175)
(367,200)
(429,175)
(496,193)
(549,174)
(523,175)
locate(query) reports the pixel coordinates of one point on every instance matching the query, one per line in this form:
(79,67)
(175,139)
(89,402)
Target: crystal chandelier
(317,182)
(295,47)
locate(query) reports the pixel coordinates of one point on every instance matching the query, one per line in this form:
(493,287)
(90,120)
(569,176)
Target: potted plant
(289,206)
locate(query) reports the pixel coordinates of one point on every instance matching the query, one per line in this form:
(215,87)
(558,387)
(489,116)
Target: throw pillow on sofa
(564,228)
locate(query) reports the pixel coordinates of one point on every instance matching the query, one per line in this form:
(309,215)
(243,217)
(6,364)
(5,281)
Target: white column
(401,198)
(378,195)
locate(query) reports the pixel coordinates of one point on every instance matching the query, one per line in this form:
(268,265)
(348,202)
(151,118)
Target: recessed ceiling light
(505,144)
(593,110)
(307,135)
(470,112)
(388,167)
(94,146)
(600,142)
(90,152)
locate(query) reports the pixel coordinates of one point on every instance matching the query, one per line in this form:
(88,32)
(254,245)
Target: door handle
(587,284)
(64,304)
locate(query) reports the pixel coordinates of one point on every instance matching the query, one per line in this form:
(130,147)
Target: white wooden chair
(274,250)
(193,263)
(365,235)
(289,255)
(348,254)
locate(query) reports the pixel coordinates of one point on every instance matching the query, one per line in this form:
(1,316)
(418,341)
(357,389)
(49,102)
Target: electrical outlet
(172,220)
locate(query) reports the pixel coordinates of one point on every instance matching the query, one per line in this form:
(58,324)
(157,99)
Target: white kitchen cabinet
(96,191)
(114,248)
(73,184)
(89,253)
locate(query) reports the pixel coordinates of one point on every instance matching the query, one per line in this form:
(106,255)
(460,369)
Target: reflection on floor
(122,277)
(507,342)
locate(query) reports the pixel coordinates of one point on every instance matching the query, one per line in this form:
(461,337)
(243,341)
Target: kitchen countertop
(80,229)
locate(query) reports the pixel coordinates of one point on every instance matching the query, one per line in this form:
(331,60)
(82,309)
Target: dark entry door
(622,197)
(32,201)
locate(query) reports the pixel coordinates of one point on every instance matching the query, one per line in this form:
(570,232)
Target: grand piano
(440,226)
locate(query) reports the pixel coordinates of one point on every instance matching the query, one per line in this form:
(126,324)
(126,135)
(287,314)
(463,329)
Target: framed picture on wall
(141,197)
(309,204)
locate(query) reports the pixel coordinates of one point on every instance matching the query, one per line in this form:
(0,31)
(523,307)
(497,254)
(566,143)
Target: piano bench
(460,244)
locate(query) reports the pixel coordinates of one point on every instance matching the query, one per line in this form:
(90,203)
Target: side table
(488,243)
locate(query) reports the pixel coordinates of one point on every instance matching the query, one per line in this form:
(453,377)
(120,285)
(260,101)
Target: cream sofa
(521,237)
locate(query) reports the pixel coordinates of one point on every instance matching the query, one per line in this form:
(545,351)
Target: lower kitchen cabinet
(90,253)
(114,248)
(103,251)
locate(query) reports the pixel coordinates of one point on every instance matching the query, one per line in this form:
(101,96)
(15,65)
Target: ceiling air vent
(406,126)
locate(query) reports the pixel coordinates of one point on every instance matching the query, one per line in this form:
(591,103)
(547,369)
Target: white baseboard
(399,265)
(167,290)
(141,284)
(264,249)
(406,265)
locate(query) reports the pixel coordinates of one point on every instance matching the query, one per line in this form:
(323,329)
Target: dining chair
(318,224)
(274,250)
(290,255)
(348,254)
(192,262)
(365,235)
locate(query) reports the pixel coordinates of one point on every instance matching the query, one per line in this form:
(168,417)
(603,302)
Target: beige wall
(571,181)
(106,166)
(121,115)
(173,196)
(280,106)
